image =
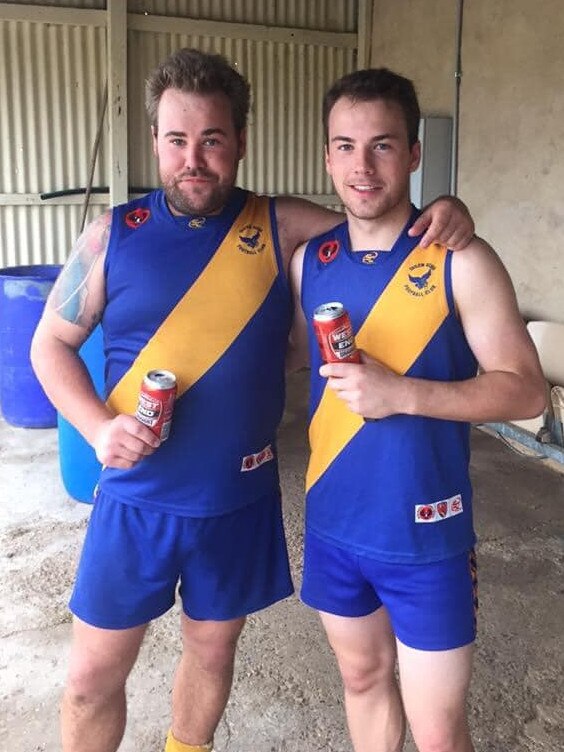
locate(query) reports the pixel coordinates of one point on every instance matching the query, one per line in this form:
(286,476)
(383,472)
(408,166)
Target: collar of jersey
(231,209)
(382,255)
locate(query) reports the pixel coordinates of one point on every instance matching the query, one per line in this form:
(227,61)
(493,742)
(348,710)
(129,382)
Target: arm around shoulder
(297,353)
(299,220)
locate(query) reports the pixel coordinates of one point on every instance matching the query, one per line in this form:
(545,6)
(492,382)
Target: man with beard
(191,279)
(388,553)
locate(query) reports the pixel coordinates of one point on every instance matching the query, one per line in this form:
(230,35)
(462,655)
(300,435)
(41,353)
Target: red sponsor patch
(442,508)
(456,505)
(328,250)
(439,510)
(426,512)
(137,217)
(252,461)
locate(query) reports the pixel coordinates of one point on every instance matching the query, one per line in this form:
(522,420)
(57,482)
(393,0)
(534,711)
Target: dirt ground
(286,694)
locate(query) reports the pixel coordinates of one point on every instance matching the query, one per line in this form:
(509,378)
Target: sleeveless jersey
(206,298)
(395,489)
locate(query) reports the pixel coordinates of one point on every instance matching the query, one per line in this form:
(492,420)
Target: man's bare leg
(203,678)
(93,709)
(434,689)
(366,653)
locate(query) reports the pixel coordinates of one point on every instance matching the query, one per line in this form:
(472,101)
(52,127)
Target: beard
(209,198)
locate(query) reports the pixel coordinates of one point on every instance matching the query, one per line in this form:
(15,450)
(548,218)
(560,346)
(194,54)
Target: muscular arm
(73,309)
(510,384)
(297,355)
(446,221)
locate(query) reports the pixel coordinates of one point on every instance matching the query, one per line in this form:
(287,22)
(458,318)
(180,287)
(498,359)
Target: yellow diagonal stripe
(222,300)
(395,332)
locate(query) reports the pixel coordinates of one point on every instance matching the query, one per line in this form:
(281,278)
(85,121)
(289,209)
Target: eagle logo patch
(250,239)
(420,279)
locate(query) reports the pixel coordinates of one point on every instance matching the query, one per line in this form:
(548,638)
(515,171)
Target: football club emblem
(250,239)
(137,217)
(328,250)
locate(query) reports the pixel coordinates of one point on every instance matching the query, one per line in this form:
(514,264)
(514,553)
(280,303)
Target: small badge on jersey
(137,217)
(196,223)
(252,461)
(328,250)
(420,282)
(439,510)
(250,237)
(369,257)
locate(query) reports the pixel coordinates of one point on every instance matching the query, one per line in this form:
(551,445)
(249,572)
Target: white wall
(511,168)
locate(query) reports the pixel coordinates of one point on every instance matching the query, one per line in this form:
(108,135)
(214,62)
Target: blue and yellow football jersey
(396,489)
(206,298)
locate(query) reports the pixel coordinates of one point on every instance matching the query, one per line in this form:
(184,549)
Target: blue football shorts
(133,559)
(430,606)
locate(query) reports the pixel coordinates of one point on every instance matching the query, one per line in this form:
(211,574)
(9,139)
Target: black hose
(79,191)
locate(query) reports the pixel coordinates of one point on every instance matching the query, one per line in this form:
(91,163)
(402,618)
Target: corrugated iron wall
(52,78)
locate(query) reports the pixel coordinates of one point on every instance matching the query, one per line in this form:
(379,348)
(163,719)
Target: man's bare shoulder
(78,294)
(478,257)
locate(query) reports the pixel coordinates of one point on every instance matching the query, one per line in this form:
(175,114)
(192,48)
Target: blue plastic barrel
(79,466)
(23,292)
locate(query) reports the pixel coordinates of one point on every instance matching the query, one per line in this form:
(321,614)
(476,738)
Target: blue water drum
(79,466)
(23,292)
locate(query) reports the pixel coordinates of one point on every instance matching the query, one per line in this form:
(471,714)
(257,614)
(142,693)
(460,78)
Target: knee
(367,673)
(442,737)
(213,648)
(91,683)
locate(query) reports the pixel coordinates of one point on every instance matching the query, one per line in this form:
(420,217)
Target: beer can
(156,402)
(334,333)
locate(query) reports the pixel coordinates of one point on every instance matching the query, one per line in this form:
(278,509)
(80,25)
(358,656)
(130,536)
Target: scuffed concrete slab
(286,694)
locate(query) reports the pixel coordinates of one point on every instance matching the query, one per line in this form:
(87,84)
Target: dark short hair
(373,84)
(197,72)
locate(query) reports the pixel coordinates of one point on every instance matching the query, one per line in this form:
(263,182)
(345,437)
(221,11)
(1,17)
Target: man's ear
(415,156)
(327,160)
(242,143)
(154,139)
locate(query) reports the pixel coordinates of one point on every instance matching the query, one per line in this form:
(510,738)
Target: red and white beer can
(333,329)
(156,402)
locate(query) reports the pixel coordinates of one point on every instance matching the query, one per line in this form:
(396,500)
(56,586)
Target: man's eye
(344,147)
(177,141)
(211,142)
(382,146)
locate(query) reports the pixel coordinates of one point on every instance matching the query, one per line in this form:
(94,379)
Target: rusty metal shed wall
(52,78)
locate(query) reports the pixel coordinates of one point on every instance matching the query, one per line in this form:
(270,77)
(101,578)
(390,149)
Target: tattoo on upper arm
(70,292)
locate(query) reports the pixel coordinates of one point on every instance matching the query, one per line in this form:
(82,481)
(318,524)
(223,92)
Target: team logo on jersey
(439,510)
(137,217)
(252,461)
(196,223)
(328,250)
(250,239)
(370,257)
(420,282)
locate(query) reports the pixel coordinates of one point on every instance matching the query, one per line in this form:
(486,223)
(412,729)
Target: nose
(364,161)
(193,156)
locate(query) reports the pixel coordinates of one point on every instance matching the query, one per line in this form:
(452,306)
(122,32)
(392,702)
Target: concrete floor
(286,695)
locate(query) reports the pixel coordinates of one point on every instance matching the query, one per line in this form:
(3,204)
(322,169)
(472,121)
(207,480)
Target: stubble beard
(210,198)
(210,202)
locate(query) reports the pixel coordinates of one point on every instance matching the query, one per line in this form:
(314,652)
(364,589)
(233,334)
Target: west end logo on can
(251,240)
(341,342)
(148,410)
